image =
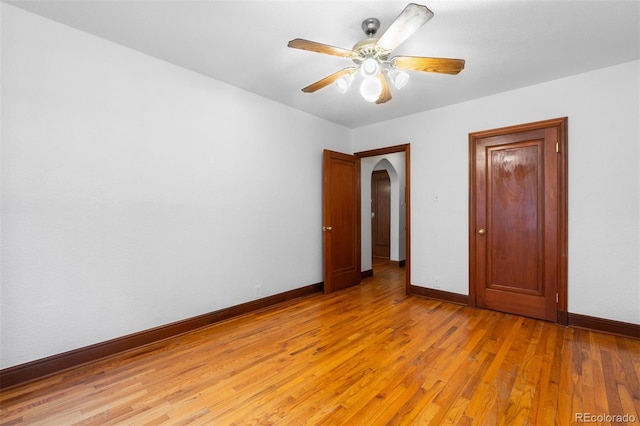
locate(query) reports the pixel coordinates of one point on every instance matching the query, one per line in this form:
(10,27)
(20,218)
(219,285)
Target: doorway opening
(395,162)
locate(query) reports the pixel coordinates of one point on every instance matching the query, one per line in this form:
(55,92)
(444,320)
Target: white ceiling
(506,44)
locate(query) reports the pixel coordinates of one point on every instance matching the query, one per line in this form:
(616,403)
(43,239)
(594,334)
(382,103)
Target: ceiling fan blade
(417,63)
(385,94)
(328,80)
(412,17)
(313,46)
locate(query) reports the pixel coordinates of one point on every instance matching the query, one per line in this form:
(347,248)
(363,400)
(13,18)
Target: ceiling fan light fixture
(398,78)
(343,83)
(378,71)
(369,67)
(370,89)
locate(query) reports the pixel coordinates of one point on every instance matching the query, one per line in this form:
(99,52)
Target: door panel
(515,224)
(341,216)
(381,214)
(514,202)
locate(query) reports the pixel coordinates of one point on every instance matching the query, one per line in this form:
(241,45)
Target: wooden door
(380,214)
(341,216)
(517,229)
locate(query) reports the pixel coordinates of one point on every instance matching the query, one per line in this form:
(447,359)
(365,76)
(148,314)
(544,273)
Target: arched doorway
(392,164)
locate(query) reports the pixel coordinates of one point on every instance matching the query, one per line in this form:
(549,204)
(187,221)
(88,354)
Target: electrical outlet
(257,291)
(436,282)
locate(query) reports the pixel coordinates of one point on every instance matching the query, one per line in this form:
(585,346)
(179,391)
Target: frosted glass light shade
(398,78)
(343,83)
(370,89)
(369,68)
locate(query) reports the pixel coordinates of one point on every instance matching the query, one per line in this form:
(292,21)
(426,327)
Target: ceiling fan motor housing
(368,48)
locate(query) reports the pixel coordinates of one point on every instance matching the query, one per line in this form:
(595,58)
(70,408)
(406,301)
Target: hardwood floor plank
(626,355)
(543,408)
(628,405)
(521,398)
(366,355)
(611,384)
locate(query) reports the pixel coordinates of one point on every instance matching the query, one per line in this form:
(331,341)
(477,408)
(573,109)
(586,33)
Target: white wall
(136,193)
(604,186)
(395,165)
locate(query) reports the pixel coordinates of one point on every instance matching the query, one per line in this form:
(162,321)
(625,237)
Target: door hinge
(557,147)
(556,297)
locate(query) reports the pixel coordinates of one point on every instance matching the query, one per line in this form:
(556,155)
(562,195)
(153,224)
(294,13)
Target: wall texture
(136,193)
(604,184)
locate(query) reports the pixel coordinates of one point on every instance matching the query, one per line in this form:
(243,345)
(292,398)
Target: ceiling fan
(371,57)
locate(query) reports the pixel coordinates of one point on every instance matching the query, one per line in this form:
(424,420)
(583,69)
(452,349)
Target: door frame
(406,148)
(561,124)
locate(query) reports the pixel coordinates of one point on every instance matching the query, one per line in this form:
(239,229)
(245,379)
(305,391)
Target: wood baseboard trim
(460,299)
(619,328)
(40,368)
(399,263)
(366,274)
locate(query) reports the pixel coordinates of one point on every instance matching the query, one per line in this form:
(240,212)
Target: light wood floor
(367,355)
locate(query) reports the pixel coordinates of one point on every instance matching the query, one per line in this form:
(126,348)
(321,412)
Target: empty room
(319,212)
